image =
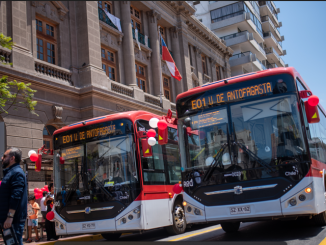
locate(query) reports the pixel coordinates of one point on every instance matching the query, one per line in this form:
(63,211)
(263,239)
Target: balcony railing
(238,34)
(266,18)
(272,50)
(260,47)
(103,17)
(6,55)
(264,67)
(282,61)
(279,45)
(141,38)
(270,6)
(242,54)
(270,66)
(228,16)
(122,89)
(53,71)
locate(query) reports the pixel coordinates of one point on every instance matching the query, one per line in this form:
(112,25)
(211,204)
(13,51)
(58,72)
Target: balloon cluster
(37,158)
(38,193)
(155,123)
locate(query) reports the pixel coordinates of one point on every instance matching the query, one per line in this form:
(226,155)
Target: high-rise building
(250,28)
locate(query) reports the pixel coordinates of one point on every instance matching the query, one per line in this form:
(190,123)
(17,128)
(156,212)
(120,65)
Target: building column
(21,54)
(128,45)
(175,43)
(153,17)
(199,67)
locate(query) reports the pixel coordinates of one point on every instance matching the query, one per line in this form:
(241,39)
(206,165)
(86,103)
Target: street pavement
(298,232)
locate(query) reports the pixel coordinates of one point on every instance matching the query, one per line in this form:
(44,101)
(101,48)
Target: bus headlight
(134,214)
(302,197)
(293,202)
(308,190)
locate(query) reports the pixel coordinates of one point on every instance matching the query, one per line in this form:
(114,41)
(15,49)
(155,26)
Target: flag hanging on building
(169,61)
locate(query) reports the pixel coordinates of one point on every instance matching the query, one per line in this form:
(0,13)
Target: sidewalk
(84,238)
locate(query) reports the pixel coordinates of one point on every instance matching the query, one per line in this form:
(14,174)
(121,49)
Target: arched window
(48,136)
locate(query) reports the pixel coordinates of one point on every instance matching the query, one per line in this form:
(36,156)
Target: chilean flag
(169,61)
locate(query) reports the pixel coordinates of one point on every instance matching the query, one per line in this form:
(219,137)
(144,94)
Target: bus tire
(230,227)
(179,220)
(111,236)
(320,219)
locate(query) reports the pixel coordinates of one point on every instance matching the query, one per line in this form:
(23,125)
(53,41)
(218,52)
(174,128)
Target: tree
(12,92)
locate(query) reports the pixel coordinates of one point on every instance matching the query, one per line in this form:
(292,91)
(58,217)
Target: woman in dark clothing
(50,226)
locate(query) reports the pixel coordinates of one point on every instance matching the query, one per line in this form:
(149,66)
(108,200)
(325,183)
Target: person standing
(43,207)
(13,193)
(32,218)
(50,226)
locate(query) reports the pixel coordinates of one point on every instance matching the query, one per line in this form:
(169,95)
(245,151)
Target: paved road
(298,232)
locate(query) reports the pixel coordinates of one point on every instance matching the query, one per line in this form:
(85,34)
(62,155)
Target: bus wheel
(111,236)
(179,220)
(230,227)
(320,219)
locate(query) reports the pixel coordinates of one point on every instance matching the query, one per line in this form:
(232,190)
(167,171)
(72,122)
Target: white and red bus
(106,182)
(253,147)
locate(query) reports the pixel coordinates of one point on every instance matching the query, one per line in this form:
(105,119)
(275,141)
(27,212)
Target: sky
(303,28)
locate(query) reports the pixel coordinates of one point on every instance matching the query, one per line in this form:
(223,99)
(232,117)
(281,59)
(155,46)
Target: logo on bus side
(188,183)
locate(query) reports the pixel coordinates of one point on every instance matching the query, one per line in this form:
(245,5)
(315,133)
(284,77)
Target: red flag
(169,61)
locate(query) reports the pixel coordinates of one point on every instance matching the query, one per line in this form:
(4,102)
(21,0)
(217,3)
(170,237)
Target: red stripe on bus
(315,168)
(154,192)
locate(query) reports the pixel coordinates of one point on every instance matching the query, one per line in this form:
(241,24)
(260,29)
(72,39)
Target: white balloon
(151,141)
(153,122)
(31,152)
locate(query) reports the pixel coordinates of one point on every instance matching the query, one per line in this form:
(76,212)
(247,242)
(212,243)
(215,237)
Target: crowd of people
(16,207)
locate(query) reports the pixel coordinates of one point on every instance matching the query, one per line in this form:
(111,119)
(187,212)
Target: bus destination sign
(86,134)
(246,92)
(73,152)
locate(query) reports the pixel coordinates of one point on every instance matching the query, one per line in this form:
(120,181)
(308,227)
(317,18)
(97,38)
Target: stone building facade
(82,66)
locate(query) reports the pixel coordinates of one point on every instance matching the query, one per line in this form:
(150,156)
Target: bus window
(163,167)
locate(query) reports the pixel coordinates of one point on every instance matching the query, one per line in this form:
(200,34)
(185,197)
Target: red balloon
(162,124)
(33,157)
(46,188)
(313,100)
(36,190)
(151,133)
(177,188)
(50,215)
(61,160)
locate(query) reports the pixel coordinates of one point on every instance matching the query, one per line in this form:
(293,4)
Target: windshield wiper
(254,156)
(215,162)
(99,184)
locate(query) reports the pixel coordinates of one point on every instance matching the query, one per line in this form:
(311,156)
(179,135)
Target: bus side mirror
(163,136)
(311,113)
(147,149)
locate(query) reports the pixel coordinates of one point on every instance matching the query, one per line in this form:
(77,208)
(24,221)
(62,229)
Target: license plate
(240,210)
(88,226)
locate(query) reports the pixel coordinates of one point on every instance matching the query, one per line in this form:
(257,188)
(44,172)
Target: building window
(190,56)
(46,41)
(109,63)
(204,64)
(106,5)
(136,22)
(140,76)
(167,87)
(48,131)
(218,75)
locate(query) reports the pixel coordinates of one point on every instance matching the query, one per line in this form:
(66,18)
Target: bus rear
(245,150)
(105,184)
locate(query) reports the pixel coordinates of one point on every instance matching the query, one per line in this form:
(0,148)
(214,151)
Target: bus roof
(242,78)
(132,115)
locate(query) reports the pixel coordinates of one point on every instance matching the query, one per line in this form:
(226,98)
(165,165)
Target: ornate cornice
(182,7)
(62,9)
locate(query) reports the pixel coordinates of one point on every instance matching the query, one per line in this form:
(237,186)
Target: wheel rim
(178,216)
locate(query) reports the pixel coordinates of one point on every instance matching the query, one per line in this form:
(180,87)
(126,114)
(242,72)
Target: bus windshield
(100,170)
(245,141)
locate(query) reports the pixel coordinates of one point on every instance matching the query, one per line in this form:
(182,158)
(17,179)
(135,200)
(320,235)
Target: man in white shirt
(43,207)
